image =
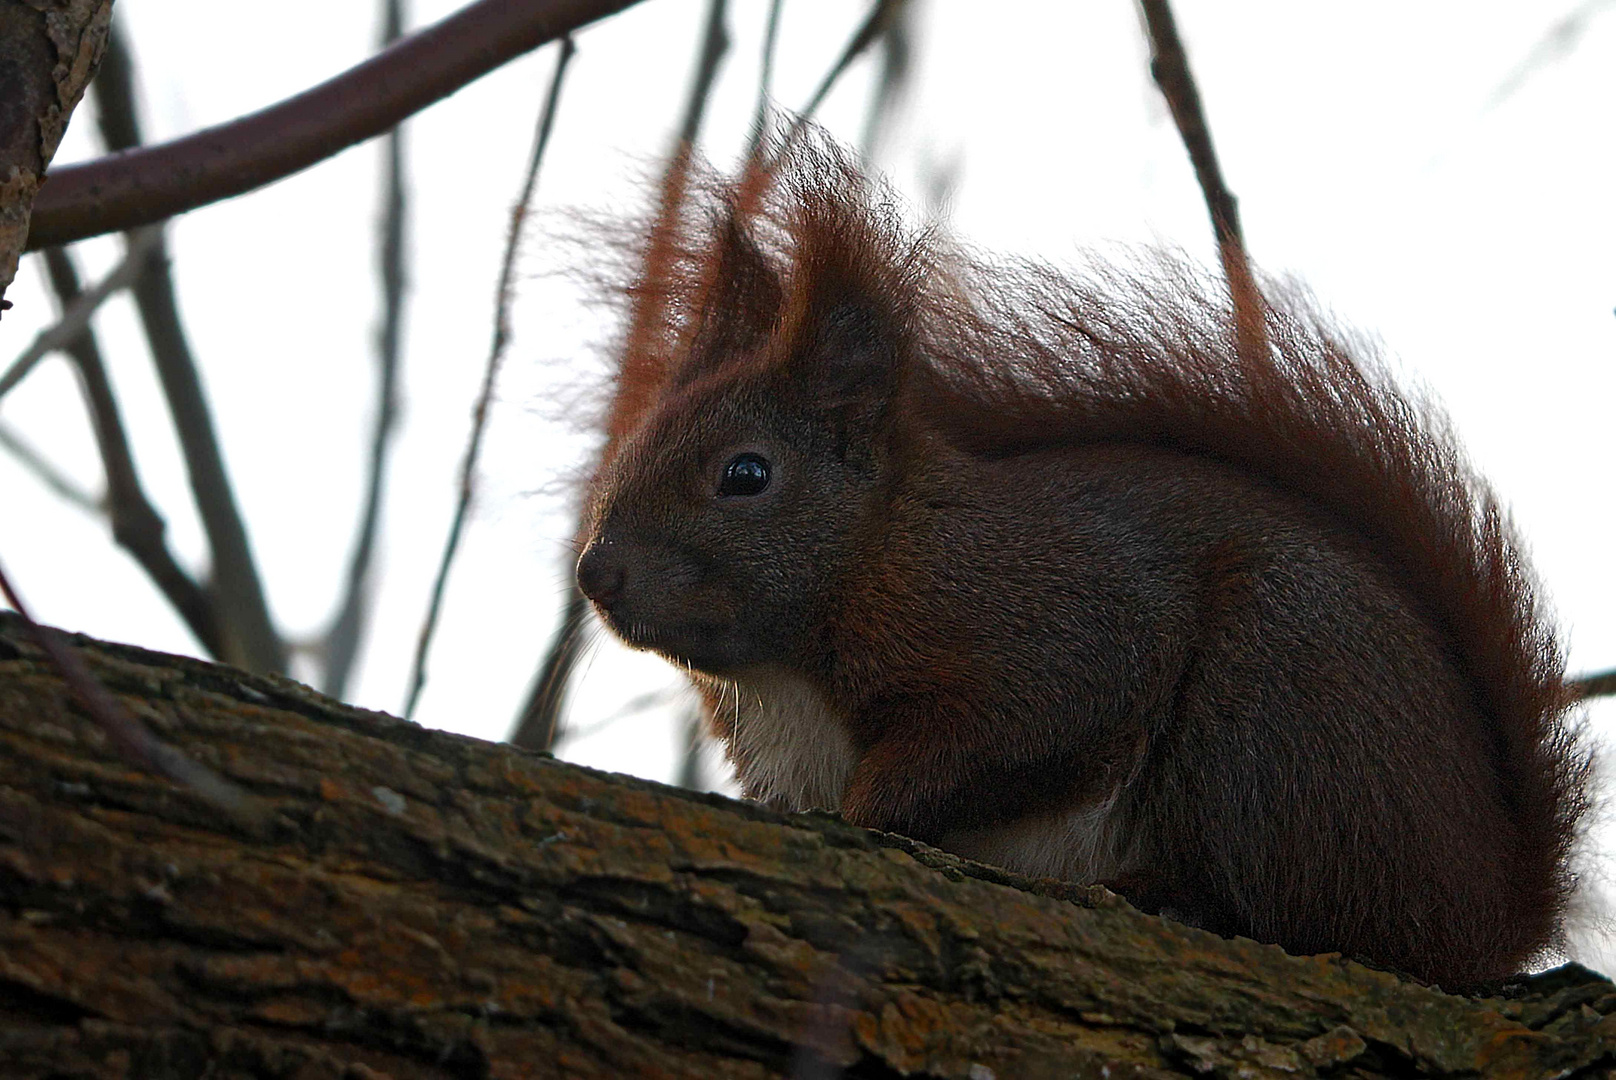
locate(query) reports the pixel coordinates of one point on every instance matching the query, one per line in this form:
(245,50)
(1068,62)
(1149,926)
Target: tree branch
(249,637)
(57,481)
(246,635)
(1591,686)
(137,188)
(76,316)
(897,48)
(496,352)
(538,725)
(136,524)
(539,720)
(870,31)
(760,112)
(131,739)
(340,644)
(714,44)
(426,905)
(1170,67)
(48,54)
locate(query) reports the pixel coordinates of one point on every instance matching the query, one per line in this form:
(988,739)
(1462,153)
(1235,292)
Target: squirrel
(1043,571)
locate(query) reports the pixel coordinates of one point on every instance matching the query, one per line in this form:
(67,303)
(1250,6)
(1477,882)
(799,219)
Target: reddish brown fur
(1042,546)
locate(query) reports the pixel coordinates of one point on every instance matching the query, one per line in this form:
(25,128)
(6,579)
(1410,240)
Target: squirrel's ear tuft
(847,328)
(741,307)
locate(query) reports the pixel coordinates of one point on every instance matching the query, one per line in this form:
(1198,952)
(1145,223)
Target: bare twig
(714,44)
(496,352)
(1559,42)
(341,641)
(114,90)
(246,636)
(692,774)
(59,483)
(638,704)
(249,637)
(1170,67)
(538,723)
(77,315)
(760,114)
(897,48)
(136,525)
(125,190)
(1591,686)
(133,741)
(875,23)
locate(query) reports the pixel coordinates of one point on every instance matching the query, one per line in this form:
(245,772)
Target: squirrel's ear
(847,325)
(847,352)
(742,305)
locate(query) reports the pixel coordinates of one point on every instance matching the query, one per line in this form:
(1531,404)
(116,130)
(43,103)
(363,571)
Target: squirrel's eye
(746,474)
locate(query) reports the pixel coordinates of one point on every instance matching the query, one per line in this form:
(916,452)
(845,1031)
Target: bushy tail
(1147,355)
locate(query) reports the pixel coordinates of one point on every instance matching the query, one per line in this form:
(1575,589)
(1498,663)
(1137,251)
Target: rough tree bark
(48,51)
(427,905)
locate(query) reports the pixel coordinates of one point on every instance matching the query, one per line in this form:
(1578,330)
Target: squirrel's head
(721,524)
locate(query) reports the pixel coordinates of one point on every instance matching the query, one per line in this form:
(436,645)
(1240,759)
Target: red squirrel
(1044,571)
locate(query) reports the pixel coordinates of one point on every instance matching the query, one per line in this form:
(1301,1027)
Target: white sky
(1371,148)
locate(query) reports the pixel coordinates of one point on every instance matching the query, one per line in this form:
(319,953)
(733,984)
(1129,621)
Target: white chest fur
(789,749)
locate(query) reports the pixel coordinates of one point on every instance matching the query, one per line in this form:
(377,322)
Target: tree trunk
(48,52)
(427,905)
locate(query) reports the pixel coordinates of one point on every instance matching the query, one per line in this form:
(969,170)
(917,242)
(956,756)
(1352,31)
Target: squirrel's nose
(602,573)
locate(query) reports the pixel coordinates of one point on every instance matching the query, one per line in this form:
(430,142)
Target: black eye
(746,474)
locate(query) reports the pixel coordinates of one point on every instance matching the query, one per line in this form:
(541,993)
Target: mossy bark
(426,905)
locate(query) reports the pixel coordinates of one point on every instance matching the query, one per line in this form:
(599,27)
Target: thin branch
(692,774)
(341,641)
(136,525)
(59,483)
(1592,686)
(875,23)
(714,44)
(897,51)
(760,114)
(496,352)
(539,720)
(1170,67)
(538,725)
(246,635)
(635,706)
(250,638)
(133,741)
(114,90)
(76,316)
(1560,41)
(121,191)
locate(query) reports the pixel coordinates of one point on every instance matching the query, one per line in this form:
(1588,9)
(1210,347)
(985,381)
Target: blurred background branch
(136,524)
(54,479)
(241,631)
(496,353)
(340,644)
(538,721)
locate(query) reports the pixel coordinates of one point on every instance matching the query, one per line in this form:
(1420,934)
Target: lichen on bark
(49,50)
(427,905)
